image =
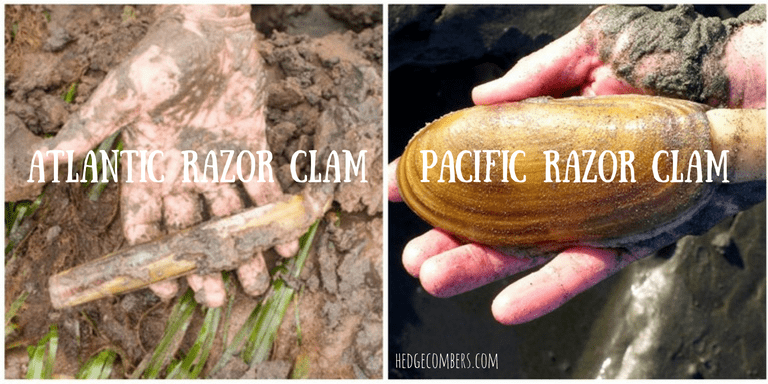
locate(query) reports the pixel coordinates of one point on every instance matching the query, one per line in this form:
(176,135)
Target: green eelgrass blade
(272,312)
(15,212)
(213,324)
(228,352)
(97,189)
(269,318)
(208,335)
(301,367)
(230,304)
(88,176)
(40,362)
(237,341)
(296,263)
(69,97)
(14,308)
(177,325)
(200,349)
(268,314)
(98,367)
(53,344)
(297,318)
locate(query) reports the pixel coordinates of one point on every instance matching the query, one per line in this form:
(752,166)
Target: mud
(324,93)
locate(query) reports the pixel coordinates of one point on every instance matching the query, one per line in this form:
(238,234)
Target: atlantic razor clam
(483,203)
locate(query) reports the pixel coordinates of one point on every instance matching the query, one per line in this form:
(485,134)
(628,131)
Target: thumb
(562,65)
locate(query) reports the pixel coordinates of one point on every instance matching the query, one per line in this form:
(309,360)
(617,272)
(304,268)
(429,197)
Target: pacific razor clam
(538,217)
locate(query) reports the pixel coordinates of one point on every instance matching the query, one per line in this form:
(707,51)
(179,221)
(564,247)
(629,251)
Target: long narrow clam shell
(555,215)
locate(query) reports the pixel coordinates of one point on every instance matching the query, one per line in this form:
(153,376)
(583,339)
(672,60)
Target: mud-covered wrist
(676,53)
(744,59)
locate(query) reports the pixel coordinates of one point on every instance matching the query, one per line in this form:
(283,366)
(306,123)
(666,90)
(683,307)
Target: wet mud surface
(702,306)
(324,93)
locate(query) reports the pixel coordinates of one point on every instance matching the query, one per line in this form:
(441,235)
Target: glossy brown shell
(557,215)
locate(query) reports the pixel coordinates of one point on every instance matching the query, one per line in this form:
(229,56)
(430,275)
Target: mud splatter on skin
(683,47)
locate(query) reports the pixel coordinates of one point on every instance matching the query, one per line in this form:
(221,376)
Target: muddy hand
(195,82)
(619,50)
(587,61)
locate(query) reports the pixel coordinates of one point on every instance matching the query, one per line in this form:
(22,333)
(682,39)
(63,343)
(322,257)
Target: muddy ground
(325,63)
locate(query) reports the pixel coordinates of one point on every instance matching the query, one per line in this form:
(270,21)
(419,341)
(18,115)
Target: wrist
(679,53)
(744,64)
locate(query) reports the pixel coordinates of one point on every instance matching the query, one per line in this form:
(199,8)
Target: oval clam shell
(553,216)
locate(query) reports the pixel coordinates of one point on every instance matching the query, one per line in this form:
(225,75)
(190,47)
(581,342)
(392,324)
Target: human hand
(195,82)
(447,266)
(619,50)
(571,65)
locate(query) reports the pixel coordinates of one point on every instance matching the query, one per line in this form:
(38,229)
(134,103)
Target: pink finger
(254,276)
(469,267)
(562,65)
(264,192)
(420,249)
(209,289)
(166,289)
(141,212)
(223,199)
(288,249)
(567,275)
(181,211)
(393,192)
(141,215)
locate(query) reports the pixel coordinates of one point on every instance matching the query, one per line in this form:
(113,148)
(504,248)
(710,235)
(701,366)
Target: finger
(469,267)
(180,211)
(421,248)
(264,193)
(166,289)
(141,212)
(141,215)
(567,275)
(254,276)
(560,66)
(392,190)
(209,289)
(223,200)
(288,249)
